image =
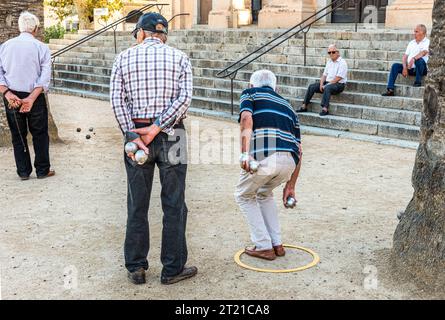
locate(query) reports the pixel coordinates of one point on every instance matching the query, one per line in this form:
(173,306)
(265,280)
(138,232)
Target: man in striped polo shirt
(270,134)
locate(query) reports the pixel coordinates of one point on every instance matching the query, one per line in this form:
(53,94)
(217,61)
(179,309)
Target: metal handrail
(106,28)
(178,15)
(303,27)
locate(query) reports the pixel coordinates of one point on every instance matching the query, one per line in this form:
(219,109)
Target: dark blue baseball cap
(153,22)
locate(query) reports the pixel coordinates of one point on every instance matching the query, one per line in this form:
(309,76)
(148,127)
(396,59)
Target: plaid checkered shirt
(151,81)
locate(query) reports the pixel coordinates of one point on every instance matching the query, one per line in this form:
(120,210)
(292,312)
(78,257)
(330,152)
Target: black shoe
(24,178)
(417,84)
(302,110)
(137,277)
(186,273)
(323,113)
(389,93)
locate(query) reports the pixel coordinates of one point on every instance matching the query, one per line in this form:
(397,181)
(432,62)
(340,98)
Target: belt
(145,121)
(151,121)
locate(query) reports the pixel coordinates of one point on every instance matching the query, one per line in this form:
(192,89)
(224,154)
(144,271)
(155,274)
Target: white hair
(333,46)
(263,78)
(28,22)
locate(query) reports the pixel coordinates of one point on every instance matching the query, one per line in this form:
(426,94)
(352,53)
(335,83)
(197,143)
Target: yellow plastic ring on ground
(315,261)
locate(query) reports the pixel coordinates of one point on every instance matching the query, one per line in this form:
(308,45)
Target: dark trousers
(36,121)
(419,71)
(170,155)
(329,90)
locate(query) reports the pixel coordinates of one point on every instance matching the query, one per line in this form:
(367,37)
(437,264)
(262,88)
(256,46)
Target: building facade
(271,14)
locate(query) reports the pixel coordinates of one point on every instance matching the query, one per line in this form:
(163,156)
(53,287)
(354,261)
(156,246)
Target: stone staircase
(360,112)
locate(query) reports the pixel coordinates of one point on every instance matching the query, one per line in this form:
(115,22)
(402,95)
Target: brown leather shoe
(263,254)
(279,250)
(186,273)
(49,174)
(137,277)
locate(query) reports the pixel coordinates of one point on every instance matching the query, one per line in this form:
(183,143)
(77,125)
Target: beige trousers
(254,194)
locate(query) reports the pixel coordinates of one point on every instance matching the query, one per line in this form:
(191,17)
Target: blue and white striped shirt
(275,124)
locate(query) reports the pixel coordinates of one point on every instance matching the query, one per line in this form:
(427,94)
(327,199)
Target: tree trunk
(84,16)
(5,136)
(419,240)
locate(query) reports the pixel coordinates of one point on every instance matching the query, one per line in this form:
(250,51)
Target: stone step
(338,108)
(242,82)
(361,64)
(363,126)
(354,104)
(375,131)
(200,51)
(316,32)
(313,130)
(209,68)
(313,71)
(360,50)
(365,99)
(206,78)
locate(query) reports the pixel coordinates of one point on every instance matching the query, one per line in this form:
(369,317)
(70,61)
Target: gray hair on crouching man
(263,78)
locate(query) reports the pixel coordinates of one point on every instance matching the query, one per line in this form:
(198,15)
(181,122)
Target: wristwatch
(7,90)
(244,157)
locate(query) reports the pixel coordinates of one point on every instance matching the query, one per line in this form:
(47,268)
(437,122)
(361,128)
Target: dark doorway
(205,6)
(257,5)
(347,12)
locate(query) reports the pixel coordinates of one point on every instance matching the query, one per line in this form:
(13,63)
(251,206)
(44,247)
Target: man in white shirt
(25,74)
(414,60)
(332,81)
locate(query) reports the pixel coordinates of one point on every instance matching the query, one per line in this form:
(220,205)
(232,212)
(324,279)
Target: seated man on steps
(332,81)
(414,61)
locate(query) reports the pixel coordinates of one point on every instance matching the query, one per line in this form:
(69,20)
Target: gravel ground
(62,238)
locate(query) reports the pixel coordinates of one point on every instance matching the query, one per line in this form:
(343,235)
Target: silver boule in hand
(131,147)
(141,157)
(290,202)
(254,165)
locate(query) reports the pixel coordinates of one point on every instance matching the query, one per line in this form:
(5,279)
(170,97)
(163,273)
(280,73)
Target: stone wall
(9,15)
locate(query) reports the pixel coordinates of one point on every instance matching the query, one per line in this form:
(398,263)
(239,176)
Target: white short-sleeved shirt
(339,68)
(415,48)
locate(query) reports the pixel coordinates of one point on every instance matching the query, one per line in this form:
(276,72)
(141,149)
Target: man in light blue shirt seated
(25,74)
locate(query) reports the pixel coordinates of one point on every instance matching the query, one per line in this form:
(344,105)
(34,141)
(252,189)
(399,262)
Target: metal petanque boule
(254,165)
(88,137)
(131,147)
(91,129)
(141,157)
(290,202)
(78,129)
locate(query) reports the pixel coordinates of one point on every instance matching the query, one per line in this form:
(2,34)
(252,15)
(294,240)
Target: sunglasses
(332,52)
(135,33)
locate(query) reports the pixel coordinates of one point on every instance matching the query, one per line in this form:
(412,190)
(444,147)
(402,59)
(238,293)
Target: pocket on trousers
(175,152)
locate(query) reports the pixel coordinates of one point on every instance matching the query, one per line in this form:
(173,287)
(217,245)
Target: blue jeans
(168,153)
(419,71)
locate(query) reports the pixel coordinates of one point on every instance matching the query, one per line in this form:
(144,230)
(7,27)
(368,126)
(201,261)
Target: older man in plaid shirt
(151,90)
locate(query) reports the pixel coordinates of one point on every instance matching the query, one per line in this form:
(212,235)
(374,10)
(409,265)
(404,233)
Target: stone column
(221,14)
(285,13)
(408,13)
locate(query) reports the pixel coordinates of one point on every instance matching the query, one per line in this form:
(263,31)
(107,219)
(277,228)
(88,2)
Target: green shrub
(53,32)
